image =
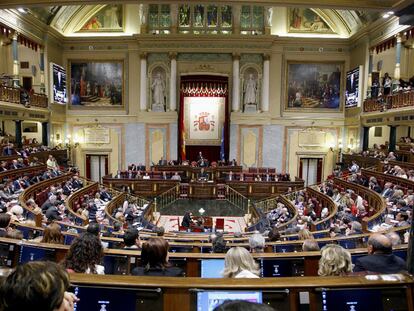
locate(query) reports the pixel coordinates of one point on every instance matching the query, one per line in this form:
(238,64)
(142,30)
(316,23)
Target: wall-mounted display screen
(353,88)
(59,91)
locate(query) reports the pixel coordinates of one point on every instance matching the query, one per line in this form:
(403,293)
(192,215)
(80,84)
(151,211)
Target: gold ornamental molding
(337,4)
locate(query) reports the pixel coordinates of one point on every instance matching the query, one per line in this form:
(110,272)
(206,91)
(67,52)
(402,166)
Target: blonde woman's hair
(305,234)
(238,259)
(335,261)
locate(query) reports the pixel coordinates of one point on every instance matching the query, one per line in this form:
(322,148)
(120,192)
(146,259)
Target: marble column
(236,83)
(18,132)
(370,66)
(174,18)
(173,82)
(365,138)
(15,48)
(393,138)
(143,14)
(397,74)
(45,133)
(236,9)
(265,83)
(143,83)
(42,71)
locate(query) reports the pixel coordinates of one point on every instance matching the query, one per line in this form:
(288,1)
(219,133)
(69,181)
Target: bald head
(379,244)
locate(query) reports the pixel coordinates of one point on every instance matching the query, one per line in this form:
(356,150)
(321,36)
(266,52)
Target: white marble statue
(158,90)
(111,18)
(143,11)
(250,89)
(269,16)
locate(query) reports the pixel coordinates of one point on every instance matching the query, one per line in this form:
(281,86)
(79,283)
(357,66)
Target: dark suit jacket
(170,271)
(53,214)
(186,221)
(380,263)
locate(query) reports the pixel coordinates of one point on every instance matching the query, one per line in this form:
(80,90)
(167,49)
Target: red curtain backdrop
(202,86)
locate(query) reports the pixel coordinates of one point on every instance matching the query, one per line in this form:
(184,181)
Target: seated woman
(154,260)
(85,255)
(239,263)
(5,220)
(52,234)
(335,261)
(37,286)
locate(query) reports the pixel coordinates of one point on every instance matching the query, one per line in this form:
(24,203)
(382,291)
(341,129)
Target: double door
(96,166)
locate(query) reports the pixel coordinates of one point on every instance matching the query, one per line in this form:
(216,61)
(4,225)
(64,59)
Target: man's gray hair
(257,242)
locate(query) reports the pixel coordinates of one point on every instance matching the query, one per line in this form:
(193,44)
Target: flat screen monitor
(212,268)
(105,299)
(209,300)
(28,253)
(115,264)
(281,267)
(359,299)
(353,88)
(58,81)
(7,252)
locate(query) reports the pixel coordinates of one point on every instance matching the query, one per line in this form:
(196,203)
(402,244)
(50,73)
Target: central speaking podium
(202,190)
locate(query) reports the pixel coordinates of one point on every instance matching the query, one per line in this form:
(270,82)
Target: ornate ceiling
(78,19)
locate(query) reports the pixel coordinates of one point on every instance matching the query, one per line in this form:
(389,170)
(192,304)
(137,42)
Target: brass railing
(166,198)
(237,199)
(12,95)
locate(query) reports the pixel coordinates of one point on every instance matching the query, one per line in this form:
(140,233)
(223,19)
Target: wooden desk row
(284,294)
(252,189)
(16,173)
(122,261)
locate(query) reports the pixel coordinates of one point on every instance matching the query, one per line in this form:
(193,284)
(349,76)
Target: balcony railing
(21,96)
(398,100)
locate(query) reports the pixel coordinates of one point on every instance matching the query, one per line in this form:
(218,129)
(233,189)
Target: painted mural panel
(302,20)
(109,18)
(96,84)
(313,85)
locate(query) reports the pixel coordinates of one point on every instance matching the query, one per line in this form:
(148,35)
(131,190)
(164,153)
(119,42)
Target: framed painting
(96,84)
(302,20)
(108,19)
(314,86)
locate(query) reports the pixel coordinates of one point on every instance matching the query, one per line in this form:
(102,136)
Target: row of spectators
(17,163)
(130,213)
(398,171)
(400,201)
(10,149)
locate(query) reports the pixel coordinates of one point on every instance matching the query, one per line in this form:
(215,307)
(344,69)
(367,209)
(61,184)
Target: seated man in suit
(202,175)
(230,176)
(162,161)
(105,195)
(199,156)
(380,258)
(8,150)
(202,162)
(131,239)
(187,221)
(176,176)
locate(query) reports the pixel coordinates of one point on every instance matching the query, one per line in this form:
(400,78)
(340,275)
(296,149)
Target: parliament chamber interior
(206,155)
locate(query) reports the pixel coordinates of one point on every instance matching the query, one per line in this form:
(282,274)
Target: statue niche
(250,89)
(158,90)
